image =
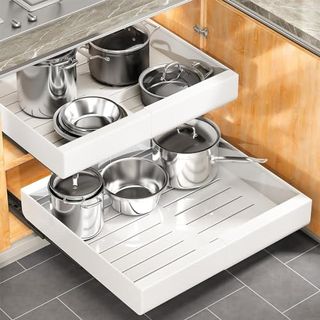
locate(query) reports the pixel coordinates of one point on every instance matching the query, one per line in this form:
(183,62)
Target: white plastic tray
(38,137)
(191,235)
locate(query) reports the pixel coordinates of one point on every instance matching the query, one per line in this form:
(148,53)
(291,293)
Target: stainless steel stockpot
(164,80)
(134,185)
(190,154)
(45,87)
(77,202)
(119,58)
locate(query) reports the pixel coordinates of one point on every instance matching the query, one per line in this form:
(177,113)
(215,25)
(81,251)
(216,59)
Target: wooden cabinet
(277,113)
(17,169)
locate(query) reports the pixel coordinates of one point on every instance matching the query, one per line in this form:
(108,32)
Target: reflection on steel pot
(164,80)
(190,154)
(134,185)
(78,202)
(45,87)
(119,58)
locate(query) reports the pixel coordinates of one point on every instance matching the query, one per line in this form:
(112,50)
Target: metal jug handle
(237,159)
(203,66)
(194,132)
(83,50)
(167,68)
(88,206)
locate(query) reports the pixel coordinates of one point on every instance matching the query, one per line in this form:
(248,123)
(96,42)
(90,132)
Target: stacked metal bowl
(85,115)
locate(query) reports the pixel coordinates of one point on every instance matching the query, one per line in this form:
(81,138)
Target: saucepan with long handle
(190,154)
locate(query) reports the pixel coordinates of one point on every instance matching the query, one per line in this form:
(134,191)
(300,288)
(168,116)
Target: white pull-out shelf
(66,158)
(191,235)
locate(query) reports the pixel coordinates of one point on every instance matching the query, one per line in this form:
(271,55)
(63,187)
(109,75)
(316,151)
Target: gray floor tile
(197,298)
(40,284)
(245,305)
(306,265)
(3,316)
(273,280)
(9,271)
(204,315)
(53,310)
(39,256)
(291,246)
(93,301)
(307,310)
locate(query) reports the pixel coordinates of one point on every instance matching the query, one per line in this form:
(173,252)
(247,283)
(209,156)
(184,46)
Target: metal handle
(88,206)
(202,31)
(194,132)
(82,51)
(167,69)
(203,66)
(237,159)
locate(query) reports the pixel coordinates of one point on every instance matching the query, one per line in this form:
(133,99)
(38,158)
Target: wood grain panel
(24,175)
(182,19)
(14,155)
(4,211)
(277,114)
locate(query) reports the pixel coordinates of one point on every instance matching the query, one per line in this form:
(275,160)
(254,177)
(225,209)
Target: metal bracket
(202,31)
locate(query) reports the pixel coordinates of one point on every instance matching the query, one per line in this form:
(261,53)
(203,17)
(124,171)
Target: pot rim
(211,123)
(140,27)
(141,159)
(150,69)
(58,60)
(76,199)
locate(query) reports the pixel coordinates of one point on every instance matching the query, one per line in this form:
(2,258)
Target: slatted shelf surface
(184,225)
(190,236)
(38,137)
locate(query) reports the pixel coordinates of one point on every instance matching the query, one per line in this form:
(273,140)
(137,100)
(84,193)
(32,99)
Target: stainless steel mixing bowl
(87,114)
(134,185)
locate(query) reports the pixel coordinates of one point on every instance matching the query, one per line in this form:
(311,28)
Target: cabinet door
(182,19)
(277,112)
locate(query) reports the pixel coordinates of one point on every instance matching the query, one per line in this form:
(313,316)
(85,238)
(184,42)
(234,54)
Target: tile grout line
(57,297)
(294,271)
(5,313)
(25,270)
(21,265)
(147,316)
(69,308)
(265,300)
(307,298)
(229,294)
(214,314)
(301,254)
(35,308)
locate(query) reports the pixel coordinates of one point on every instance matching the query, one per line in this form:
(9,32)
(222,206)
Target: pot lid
(165,80)
(80,186)
(193,136)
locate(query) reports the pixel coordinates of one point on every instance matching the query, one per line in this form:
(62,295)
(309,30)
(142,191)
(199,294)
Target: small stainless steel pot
(119,58)
(78,202)
(45,87)
(134,185)
(190,154)
(164,80)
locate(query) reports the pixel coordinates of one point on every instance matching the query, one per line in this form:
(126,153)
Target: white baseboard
(21,249)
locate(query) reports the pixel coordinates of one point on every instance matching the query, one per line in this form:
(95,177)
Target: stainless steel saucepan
(190,154)
(134,185)
(77,202)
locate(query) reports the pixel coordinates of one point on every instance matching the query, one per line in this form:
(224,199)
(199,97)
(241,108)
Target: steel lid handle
(168,67)
(186,125)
